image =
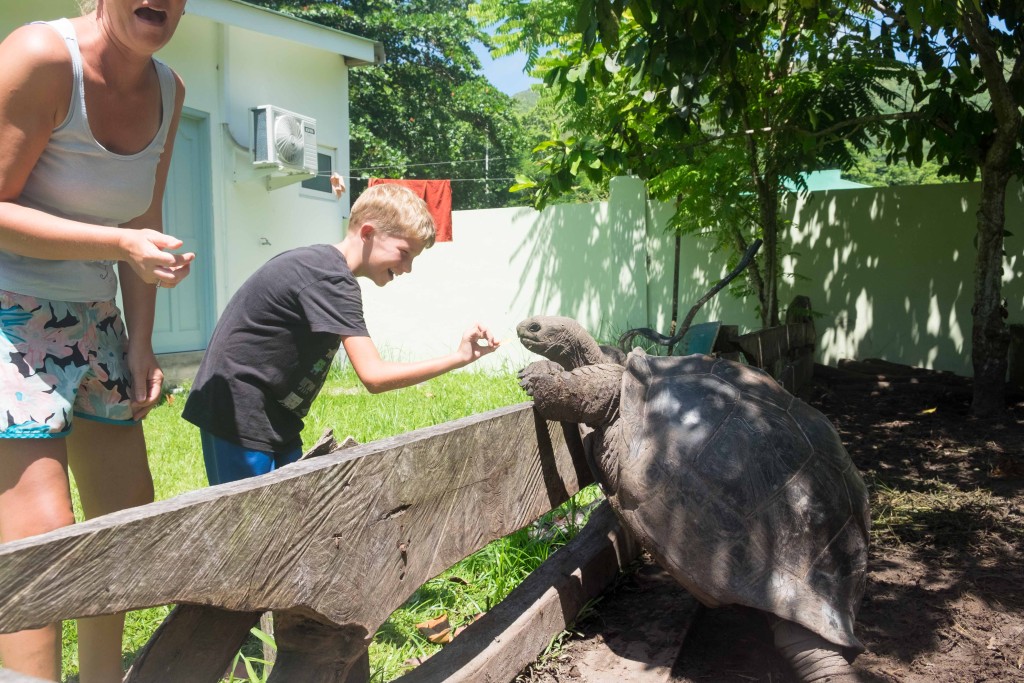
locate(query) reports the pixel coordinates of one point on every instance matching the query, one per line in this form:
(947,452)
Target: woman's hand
(146,252)
(147,380)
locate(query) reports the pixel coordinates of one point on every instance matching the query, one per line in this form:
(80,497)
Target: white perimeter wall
(503,265)
(890,271)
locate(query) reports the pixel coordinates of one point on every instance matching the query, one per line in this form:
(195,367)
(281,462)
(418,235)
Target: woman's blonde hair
(86,6)
(394,210)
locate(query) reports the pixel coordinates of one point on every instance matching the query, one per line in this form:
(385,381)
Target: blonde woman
(87,124)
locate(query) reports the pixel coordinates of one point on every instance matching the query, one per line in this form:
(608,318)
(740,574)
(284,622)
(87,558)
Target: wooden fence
(786,352)
(331,545)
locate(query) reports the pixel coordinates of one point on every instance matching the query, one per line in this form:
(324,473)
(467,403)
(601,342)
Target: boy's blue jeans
(226,461)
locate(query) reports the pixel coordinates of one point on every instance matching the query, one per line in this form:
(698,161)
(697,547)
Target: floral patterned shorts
(59,358)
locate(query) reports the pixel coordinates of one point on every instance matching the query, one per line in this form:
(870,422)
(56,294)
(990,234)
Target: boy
(274,344)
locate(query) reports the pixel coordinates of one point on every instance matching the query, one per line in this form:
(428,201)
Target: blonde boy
(275,341)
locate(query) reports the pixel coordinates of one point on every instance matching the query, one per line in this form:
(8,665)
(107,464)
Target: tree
(426,112)
(681,93)
(875,168)
(970,95)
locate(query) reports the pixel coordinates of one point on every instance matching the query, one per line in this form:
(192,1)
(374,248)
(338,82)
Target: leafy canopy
(426,112)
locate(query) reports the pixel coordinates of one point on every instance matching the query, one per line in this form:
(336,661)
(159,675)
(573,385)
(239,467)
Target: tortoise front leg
(589,394)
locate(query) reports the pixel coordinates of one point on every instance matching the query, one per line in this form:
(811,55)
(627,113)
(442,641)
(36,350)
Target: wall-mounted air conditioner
(283,139)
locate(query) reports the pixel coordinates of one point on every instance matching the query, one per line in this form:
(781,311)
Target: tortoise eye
(535,327)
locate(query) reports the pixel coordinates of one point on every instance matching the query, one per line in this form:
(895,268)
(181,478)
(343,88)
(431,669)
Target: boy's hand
(337,185)
(477,342)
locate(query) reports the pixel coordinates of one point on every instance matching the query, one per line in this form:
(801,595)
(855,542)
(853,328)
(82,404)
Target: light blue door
(185,314)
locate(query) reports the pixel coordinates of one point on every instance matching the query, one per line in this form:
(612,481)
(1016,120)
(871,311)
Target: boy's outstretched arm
(379,375)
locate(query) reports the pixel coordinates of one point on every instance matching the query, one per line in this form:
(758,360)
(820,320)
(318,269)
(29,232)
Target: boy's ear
(366,231)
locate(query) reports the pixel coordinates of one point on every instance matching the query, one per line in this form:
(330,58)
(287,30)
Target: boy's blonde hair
(394,210)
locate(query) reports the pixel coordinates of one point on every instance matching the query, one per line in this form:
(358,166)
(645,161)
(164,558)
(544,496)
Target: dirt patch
(945,595)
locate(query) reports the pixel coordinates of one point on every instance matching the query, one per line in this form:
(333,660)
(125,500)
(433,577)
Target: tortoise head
(560,339)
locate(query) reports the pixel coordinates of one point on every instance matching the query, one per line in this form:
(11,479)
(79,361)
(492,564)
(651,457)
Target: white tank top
(77,178)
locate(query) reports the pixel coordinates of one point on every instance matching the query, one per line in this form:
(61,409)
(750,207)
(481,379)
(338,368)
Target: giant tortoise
(741,491)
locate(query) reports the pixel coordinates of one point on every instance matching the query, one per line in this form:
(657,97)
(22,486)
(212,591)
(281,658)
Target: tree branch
(887,10)
(1017,74)
(1003,106)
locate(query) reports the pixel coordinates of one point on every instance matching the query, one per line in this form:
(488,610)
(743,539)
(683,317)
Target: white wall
(504,265)
(893,271)
(228,70)
(258,223)
(889,270)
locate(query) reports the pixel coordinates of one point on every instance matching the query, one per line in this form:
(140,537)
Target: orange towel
(438,196)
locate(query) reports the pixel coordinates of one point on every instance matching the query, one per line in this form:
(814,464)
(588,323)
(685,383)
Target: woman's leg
(34,498)
(112,473)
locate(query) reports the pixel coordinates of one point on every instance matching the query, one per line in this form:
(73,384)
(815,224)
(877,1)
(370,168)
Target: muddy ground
(945,594)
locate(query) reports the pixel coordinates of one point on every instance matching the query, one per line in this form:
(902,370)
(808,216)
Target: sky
(505,73)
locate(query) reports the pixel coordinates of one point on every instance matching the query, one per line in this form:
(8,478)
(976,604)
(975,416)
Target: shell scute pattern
(758,484)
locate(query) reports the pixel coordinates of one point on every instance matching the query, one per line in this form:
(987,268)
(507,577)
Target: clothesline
(434,163)
(454,180)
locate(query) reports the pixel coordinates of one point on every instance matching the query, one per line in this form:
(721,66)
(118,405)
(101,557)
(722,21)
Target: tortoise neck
(586,352)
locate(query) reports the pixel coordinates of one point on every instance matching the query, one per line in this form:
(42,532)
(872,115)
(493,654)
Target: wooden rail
(332,545)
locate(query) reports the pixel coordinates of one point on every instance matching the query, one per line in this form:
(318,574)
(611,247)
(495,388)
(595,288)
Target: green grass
(468,588)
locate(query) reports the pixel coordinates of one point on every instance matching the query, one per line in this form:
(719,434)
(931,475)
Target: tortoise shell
(742,492)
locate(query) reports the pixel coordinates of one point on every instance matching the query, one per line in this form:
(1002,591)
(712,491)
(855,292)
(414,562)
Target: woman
(87,124)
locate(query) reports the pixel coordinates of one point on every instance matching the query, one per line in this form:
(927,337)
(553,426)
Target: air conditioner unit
(283,139)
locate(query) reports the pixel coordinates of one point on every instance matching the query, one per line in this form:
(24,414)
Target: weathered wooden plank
(750,344)
(206,637)
(725,345)
(801,335)
(500,644)
(321,535)
(312,651)
(267,626)
(769,347)
(799,310)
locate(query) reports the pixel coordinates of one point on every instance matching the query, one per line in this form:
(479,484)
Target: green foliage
(873,168)
(719,106)
(531,28)
(545,118)
(969,81)
(426,112)
(257,669)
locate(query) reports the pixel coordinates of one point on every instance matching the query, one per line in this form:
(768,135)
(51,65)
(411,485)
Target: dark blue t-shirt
(272,348)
